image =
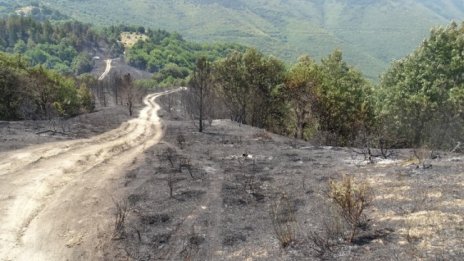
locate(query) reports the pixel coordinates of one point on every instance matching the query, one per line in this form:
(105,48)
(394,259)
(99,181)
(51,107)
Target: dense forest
(168,55)
(330,99)
(69,46)
(370,33)
(60,50)
(419,101)
(66,47)
(37,93)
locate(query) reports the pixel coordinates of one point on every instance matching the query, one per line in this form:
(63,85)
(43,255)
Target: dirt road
(56,198)
(107,70)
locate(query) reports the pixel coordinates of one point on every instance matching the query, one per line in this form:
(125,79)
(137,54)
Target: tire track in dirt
(27,157)
(107,69)
(211,207)
(213,237)
(44,185)
(31,155)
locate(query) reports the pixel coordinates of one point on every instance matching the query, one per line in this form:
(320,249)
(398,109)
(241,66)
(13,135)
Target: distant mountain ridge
(371,33)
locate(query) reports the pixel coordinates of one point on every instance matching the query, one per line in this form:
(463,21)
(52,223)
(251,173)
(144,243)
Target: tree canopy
(37,93)
(421,95)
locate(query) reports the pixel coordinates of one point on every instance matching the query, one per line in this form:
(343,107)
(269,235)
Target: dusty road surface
(56,197)
(107,70)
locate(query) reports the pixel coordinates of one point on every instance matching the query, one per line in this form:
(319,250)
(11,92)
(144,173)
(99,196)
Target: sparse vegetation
(423,156)
(283,219)
(120,215)
(325,243)
(170,155)
(171,183)
(181,141)
(186,163)
(352,199)
(192,245)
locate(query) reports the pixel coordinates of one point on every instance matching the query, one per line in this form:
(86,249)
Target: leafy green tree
(82,64)
(171,70)
(420,99)
(250,82)
(20,47)
(264,75)
(344,100)
(10,96)
(54,45)
(86,98)
(66,101)
(162,50)
(37,56)
(236,93)
(37,92)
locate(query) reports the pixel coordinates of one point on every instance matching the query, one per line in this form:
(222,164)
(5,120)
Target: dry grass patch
(262,136)
(425,229)
(352,198)
(283,220)
(26,10)
(128,39)
(120,215)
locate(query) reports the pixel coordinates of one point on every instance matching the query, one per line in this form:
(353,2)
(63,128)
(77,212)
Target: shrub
(423,154)
(283,220)
(120,219)
(181,141)
(352,198)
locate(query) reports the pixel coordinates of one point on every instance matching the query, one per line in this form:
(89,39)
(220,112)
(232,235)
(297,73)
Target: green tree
(249,83)
(82,63)
(20,47)
(85,98)
(301,85)
(420,99)
(344,100)
(10,94)
(234,90)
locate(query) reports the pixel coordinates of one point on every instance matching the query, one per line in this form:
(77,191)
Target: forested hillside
(172,58)
(36,93)
(66,47)
(418,103)
(371,33)
(39,81)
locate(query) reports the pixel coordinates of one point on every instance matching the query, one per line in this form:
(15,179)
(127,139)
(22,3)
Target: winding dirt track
(55,198)
(107,69)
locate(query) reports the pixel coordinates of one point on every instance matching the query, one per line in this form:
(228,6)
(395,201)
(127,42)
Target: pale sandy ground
(57,195)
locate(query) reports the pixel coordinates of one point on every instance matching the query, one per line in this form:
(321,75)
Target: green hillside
(370,33)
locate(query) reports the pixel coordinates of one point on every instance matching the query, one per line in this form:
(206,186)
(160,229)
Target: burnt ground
(20,134)
(227,180)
